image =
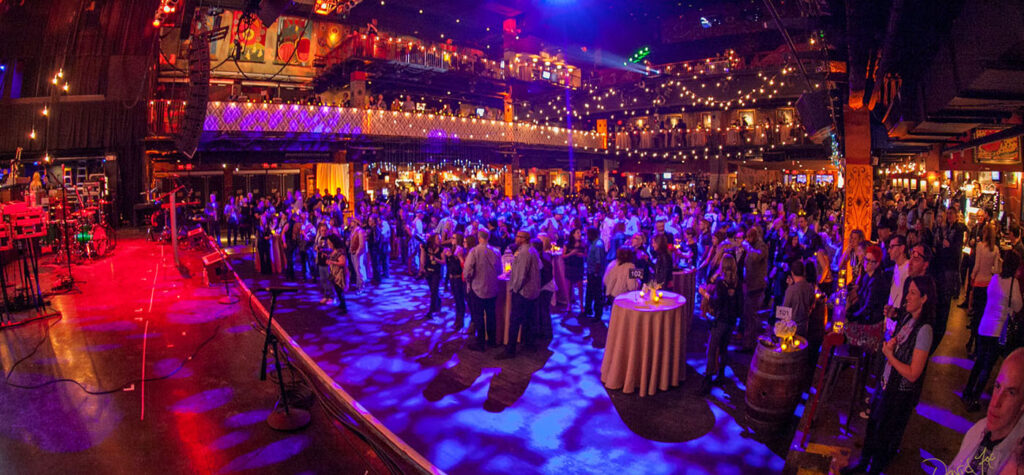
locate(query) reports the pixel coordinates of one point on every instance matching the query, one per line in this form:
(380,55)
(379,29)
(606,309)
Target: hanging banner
(252,36)
(294,38)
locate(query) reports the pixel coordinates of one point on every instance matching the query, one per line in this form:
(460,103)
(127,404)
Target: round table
(646,344)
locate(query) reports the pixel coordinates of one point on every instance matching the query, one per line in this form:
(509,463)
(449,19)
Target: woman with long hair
(455,256)
(663,263)
(430,266)
(906,355)
(986,264)
(575,258)
(1003,299)
(725,295)
(339,269)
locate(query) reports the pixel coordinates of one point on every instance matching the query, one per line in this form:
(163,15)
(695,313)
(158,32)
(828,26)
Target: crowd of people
(751,251)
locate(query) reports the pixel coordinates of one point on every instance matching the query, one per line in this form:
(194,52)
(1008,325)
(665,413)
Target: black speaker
(813,110)
(271,9)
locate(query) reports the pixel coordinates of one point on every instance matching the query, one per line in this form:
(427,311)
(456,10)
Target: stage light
(325,7)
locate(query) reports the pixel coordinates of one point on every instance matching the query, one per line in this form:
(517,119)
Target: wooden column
(859,174)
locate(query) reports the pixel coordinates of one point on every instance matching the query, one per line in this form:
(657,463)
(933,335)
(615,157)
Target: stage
(545,411)
(133,316)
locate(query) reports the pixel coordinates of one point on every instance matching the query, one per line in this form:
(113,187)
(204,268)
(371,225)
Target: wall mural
(252,36)
(294,39)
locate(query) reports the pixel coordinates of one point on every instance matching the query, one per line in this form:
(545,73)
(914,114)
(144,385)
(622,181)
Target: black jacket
(872,294)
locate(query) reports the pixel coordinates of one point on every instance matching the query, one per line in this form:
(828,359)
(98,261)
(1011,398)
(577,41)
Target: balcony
(757,136)
(322,122)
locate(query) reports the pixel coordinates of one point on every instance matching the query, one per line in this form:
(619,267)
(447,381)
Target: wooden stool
(841,358)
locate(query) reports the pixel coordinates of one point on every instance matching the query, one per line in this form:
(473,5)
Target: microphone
(278,289)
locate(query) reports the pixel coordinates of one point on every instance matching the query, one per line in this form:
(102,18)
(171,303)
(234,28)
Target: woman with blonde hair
(725,295)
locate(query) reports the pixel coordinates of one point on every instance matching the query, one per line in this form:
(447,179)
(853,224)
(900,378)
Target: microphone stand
(290,418)
(68,284)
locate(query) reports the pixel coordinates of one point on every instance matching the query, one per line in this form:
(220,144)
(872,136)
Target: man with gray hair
(990,443)
(480,272)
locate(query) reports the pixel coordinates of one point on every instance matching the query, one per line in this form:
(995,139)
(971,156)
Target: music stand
(285,418)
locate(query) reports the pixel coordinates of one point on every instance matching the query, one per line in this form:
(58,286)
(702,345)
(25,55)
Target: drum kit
(88,234)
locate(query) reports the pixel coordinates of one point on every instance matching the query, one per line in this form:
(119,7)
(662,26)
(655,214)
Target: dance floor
(545,411)
(134,315)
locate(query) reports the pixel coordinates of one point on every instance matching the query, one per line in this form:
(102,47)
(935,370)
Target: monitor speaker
(216,268)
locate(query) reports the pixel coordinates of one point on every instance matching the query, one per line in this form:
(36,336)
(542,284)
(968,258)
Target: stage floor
(545,411)
(134,312)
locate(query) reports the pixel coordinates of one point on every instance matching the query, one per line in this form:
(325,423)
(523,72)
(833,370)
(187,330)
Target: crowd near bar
(512,236)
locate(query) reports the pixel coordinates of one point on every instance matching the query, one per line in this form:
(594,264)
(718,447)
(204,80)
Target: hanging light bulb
(46,111)
(65,87)
(32,134)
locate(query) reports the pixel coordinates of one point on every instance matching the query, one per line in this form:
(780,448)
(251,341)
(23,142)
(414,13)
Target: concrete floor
(134,311)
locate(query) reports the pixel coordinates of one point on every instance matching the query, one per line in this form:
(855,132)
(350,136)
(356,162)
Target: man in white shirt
(607,227)
(632,225)
(898,254)
(989,444)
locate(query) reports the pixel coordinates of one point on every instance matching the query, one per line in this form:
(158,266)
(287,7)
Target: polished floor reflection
(207,414)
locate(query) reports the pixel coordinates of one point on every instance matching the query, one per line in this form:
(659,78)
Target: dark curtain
(107,51)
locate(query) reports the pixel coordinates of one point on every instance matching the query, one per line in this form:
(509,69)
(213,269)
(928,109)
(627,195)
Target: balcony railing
(322,120)
(700,137)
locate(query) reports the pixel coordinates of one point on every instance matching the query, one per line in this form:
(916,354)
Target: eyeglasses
(916,255)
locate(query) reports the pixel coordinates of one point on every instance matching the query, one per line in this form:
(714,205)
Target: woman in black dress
(575,256)
(455,256)
(725,294)
(430,262)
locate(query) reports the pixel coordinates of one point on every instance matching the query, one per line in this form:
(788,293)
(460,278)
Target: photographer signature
(985,459)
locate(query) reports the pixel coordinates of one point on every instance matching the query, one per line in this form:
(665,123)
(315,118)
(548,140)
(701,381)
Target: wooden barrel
(774,385)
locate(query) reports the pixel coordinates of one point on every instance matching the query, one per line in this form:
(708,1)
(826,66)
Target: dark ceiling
(618,27)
